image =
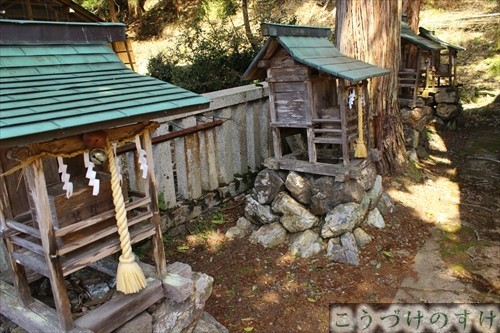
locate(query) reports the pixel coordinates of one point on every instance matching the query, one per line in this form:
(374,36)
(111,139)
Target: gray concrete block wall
(217,159)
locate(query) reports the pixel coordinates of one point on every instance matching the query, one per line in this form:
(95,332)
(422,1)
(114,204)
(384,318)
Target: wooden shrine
(67,105)
(314,91)
(418,65)
(63,11)
(445,61)
(428,65)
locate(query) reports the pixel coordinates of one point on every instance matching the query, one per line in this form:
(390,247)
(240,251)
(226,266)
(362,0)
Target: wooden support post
(311,113)
(343,121)
(35,182)
(20,278)
(278,153)
(417,78)
(311,146)
(157,240)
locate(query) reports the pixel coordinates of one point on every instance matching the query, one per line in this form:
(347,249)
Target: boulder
(299,187)
(447,111)
(326,194)
(343,218)
(412,155)
(295,216)
(208,324)
(366,177)
(267,185)
(375,219)
(345,251)
(140,323)
(181,317)
(305,244)
(420,117)
(242,229)
(257,213)
(245,225)
(419,102)
(375,192)
(422,153)
(269,235)
(385,205)
(362,237)
(235,232)
(450,97)
(408,135)
(178,283)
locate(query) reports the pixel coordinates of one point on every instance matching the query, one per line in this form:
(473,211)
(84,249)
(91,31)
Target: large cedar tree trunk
(369,30)
(411,8)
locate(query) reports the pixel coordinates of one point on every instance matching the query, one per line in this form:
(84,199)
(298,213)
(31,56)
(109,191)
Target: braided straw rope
(360,151)
(129,276)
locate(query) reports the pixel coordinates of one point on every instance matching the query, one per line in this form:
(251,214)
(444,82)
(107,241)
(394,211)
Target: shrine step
(37,317)
(121,308)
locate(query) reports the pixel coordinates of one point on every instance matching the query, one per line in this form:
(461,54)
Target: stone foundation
(442,107)
(314,213)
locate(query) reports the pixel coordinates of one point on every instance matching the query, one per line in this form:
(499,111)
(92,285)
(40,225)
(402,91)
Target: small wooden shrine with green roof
(67,105)
(316,91)
(445,61)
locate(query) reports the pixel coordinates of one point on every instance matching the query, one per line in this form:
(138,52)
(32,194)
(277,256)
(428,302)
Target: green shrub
(205,59)
(213,53)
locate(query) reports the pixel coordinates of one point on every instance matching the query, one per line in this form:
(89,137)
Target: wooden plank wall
(190,166)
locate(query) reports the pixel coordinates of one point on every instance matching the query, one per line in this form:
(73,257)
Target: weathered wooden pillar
(39,200)
(20,278)
(150,186)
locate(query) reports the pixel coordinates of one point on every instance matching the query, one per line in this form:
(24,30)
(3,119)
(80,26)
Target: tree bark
(411,9)
(369,30)
(246,21)
(112,11)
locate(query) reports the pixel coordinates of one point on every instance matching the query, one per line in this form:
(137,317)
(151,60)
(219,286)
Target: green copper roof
(315,52)
(408,35)
(49,91)
(429,34)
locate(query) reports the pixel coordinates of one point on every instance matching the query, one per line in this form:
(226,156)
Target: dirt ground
(452,200)
(454,193)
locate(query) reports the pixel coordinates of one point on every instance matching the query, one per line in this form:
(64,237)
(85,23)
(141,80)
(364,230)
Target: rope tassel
(360,150)
(129,276)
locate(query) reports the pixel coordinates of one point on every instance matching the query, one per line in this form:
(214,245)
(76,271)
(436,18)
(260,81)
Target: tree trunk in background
(411,8)
(134,10)
(112,11)
(369,30)
(246,21)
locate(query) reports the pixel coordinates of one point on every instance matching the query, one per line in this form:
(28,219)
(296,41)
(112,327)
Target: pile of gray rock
(183,310)
(443,107)
(313,213)
(415,120)
(448,107)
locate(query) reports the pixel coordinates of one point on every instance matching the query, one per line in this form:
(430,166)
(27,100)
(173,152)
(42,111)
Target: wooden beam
(74,143)
(173,135)
(339,171)
(122,308)
(38,317)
